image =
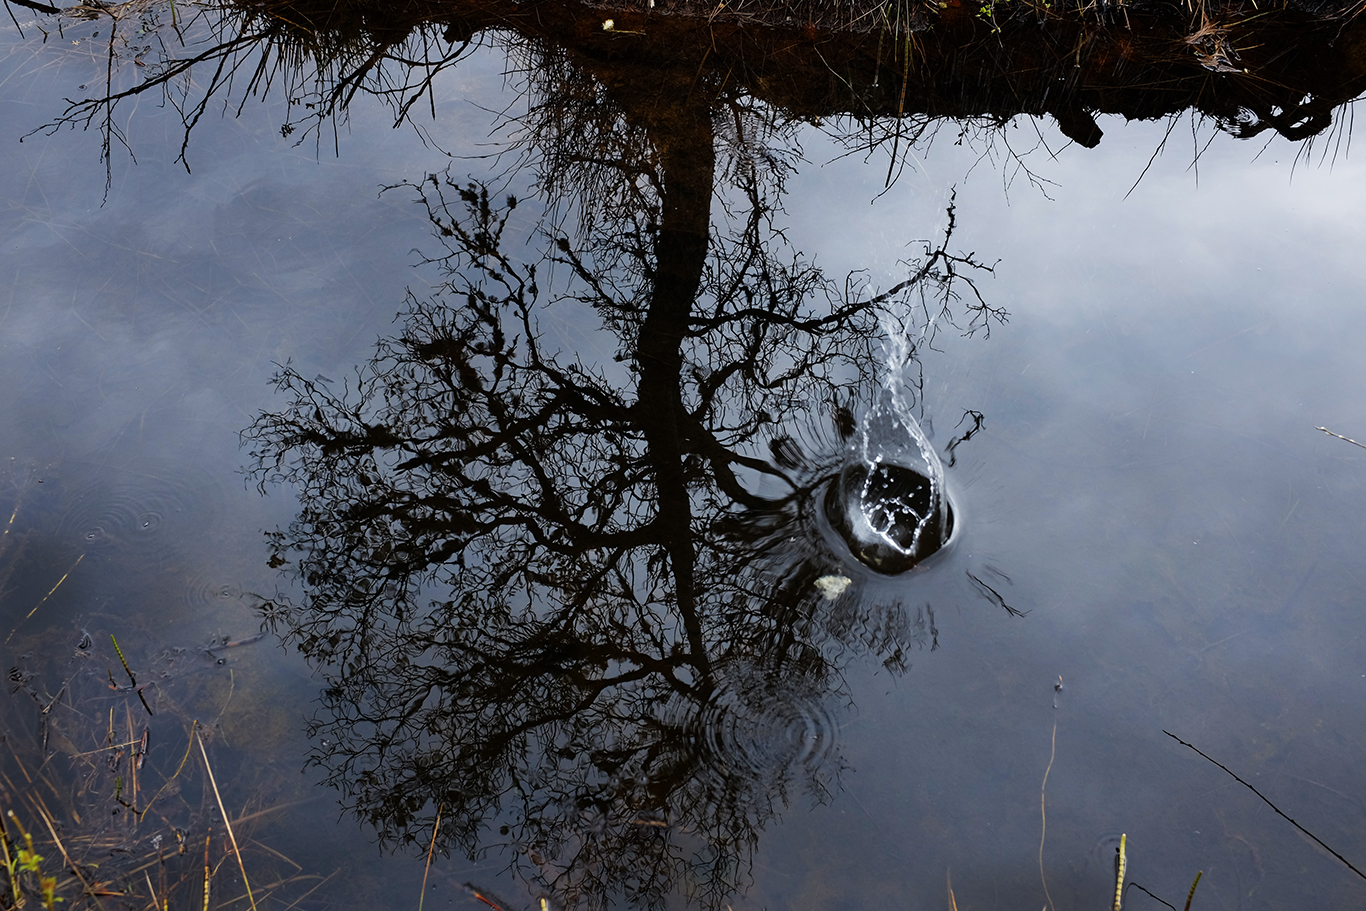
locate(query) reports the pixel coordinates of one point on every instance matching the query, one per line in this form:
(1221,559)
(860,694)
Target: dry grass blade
(227,824)
(484,897)
(436,827)
(194,727)
(57,586)
(159,904)
(66,858)
(322,881)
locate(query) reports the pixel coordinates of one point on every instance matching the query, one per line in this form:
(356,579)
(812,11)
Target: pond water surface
(616,656)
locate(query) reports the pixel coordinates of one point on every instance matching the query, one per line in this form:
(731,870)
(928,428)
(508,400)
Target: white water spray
(888,502)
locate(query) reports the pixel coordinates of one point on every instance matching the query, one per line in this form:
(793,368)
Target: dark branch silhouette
(582,603)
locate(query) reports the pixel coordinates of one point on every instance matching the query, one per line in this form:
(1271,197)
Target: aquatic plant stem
(1318,841)
(1121,864)
(227,824)
(127,671)
(1043,813)
(1191,894)
(10,864)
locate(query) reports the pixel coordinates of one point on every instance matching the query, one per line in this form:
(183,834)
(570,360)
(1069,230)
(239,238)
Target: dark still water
(718,523)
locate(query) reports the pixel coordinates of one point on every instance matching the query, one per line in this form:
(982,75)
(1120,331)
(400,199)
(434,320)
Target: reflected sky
(1148,478)
(1159,384)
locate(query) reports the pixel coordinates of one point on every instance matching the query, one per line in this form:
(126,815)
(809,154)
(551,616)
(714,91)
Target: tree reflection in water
(582,604)
(587,607)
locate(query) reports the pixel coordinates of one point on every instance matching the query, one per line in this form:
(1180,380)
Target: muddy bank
(1282,69)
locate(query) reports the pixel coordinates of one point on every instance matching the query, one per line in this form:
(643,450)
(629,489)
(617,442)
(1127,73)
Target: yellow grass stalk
(227,824)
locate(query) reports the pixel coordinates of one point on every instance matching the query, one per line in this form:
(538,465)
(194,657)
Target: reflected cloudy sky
(1149,479)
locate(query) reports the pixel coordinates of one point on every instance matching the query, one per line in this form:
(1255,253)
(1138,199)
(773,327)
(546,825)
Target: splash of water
(888,501)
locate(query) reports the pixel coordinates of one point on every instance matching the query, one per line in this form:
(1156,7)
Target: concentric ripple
(1102,853)
(761,727)
(143,514)
(205,592)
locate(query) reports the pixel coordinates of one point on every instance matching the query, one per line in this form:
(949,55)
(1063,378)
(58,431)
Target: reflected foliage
(580,601)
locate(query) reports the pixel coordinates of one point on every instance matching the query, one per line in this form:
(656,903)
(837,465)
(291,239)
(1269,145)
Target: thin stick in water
(1318,841)
(1043,812)
(57,586)
(1341,437)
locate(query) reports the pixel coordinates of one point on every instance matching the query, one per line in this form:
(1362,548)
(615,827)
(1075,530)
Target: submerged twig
(483,897)
(129,672)
(1156,898)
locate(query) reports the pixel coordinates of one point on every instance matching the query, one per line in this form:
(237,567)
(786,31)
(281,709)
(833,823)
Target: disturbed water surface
(1149,532)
